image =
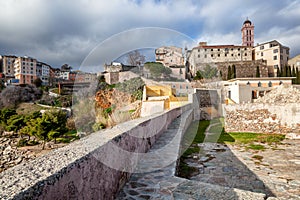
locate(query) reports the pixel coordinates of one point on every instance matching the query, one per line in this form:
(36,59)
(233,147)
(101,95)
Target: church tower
(248,33)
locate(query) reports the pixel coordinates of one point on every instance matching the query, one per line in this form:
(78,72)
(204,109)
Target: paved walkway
(161,183)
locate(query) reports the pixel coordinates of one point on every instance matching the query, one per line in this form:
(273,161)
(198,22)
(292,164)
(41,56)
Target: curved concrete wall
(94,167)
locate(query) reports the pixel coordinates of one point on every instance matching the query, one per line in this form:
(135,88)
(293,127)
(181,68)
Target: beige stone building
(8,65)
(25,69)
(169,56)
(295,61)
(204,54)
(274,53)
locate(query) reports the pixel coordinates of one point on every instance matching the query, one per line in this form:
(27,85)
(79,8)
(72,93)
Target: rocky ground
(11,155)
(274,171)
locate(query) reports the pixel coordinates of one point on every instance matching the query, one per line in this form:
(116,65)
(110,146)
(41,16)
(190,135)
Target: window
(280,83)
(275,58)
(281,57)
(248,83)
(232,55)
(270,84)
(245,49)
(259,84)
(262,53)
(239,54)
(198,50)
(211,49)
(262,47)
(212,55)
(218,49)
(205,56)
(225,54)
(275,66)
(239,49)
(198,55)
(218,55)
(245,54)
(275,51)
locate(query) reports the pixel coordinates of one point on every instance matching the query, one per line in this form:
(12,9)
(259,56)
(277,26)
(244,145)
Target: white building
(246,90)
(43,72)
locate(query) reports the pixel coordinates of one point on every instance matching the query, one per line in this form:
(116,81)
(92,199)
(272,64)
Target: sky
(68,31)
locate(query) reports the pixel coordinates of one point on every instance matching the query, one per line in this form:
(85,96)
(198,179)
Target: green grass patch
(256,147)
(247,138)
(199,128)
(225,137)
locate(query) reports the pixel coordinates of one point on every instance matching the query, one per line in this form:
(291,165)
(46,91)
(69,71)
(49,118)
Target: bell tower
(247,33)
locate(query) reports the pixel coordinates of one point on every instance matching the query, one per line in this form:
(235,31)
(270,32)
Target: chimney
(201,44)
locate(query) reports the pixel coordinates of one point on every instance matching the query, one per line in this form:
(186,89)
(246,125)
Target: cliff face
(107,98)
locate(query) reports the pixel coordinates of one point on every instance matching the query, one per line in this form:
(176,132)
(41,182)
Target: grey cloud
(59,32)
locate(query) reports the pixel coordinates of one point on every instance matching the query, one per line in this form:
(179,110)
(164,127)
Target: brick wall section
(263,118)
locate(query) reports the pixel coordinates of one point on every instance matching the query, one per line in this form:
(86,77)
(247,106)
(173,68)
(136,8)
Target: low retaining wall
(95,167)
(263,118)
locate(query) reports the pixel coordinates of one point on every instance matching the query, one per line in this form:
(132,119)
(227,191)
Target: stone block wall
(263,118)
(95,167)
(245,69)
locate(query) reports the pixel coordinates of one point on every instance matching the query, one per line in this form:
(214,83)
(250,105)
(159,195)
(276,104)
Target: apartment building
(8,65)
(169,56)
(43,72)
(25,69)
(274,53)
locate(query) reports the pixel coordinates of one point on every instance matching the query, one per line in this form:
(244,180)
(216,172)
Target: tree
(15,123)
(294,81)
(233,73)
(289,71)
(66,67)
(51,125)
(5,115)
(209,72)
(278,72)
(229,73)
(157,69)
(37,82)
(198,76)
(12,96)
(284,71)
(257,72)
(134,58)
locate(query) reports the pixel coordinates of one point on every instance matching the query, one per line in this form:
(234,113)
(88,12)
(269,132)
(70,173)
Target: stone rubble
(282,94)
(10,155)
